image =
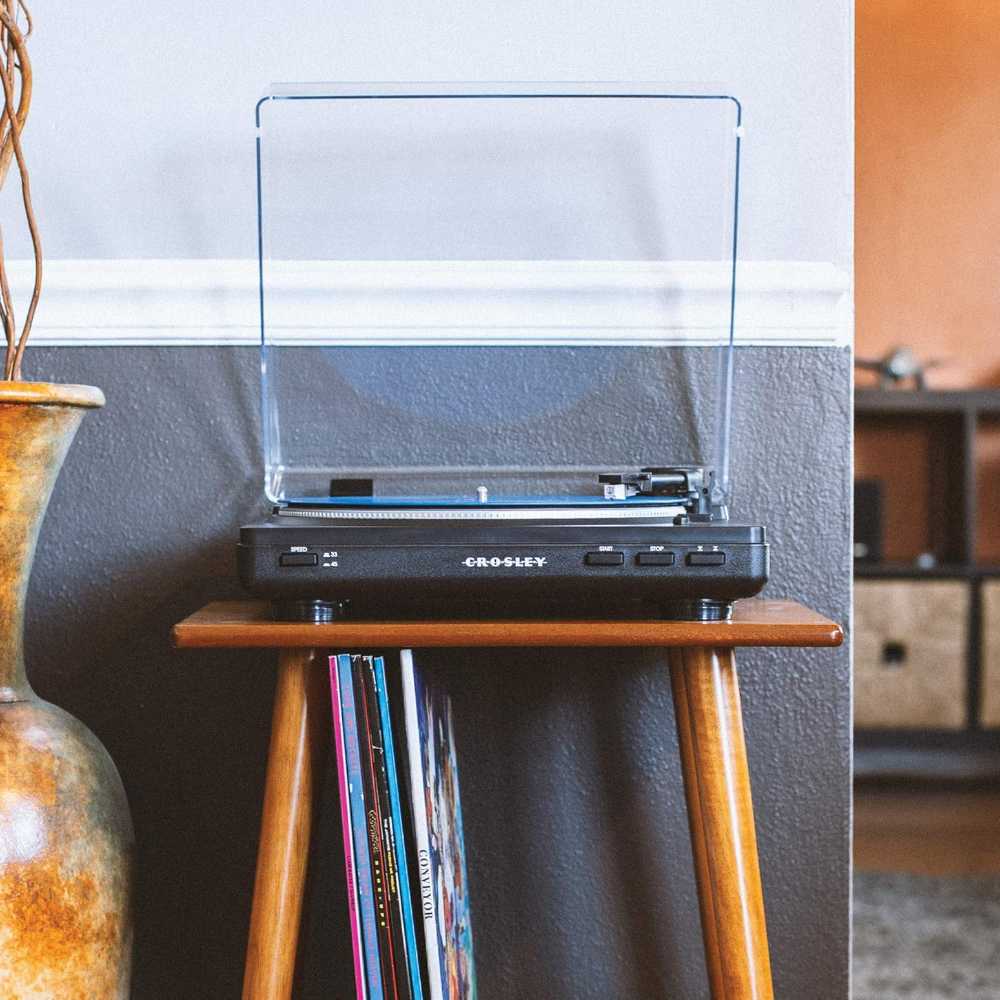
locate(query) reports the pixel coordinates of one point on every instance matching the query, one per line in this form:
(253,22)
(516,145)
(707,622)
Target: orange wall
(927,217)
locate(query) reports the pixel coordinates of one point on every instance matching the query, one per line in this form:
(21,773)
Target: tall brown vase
(65,832)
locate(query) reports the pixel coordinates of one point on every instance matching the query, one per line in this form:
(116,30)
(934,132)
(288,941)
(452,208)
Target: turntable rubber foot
(701,610)
(316,612)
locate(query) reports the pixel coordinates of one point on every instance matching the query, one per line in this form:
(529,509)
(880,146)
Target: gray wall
(580,863)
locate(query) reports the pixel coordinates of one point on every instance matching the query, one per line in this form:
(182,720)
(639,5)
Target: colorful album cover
(350,775)
(390,947)
(440,841)
(343,787)
(393,766)
(385,854)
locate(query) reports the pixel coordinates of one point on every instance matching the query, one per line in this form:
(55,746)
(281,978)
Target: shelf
(928,401)
(926,447)
(927,754)
(927,764)
(246,624)
(910,571)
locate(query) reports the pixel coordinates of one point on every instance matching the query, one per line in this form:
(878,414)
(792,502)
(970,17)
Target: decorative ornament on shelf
(897,366)
(66,841)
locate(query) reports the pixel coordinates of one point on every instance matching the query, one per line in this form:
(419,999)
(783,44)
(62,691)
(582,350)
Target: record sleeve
(437,814)
(393,767)
(381,839)
(343,787)
(340,669)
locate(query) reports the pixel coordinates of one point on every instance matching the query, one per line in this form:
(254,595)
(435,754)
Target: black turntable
(456,341)
(655,554)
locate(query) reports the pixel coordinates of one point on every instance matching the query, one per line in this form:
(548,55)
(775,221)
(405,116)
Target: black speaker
(868,520)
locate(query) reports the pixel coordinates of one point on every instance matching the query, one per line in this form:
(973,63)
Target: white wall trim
(215,302)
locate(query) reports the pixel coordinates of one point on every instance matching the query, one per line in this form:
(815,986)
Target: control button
(298,559)
(604,558)
(706,559)
(655,559)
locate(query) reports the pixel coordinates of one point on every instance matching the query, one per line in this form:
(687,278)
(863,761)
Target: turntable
(486,311)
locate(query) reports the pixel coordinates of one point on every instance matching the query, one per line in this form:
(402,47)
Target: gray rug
(919,938)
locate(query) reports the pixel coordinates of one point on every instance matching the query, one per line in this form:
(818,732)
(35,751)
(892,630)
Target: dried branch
(29,25)
(15,76)
(23,71)
(7,310)
(6,302)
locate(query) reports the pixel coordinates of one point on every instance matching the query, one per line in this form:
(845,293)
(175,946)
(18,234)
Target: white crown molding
(215,302)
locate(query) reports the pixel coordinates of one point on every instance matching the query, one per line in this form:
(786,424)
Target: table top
(245,624)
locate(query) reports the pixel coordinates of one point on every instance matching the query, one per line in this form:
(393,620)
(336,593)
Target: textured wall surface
(580,864)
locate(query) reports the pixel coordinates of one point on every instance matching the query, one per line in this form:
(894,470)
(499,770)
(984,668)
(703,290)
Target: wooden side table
(709,728)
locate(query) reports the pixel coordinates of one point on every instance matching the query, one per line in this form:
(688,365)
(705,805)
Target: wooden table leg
(300,734)
(720,812)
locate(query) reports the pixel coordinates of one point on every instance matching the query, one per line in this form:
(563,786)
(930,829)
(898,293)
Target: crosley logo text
(509,562)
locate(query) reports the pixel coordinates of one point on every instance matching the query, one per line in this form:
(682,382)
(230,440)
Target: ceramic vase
(66,840)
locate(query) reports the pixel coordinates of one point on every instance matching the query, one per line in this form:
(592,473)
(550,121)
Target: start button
(604,559)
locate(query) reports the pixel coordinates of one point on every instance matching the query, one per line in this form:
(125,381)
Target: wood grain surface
(720,814)
(244,624)
(937,830)
(299,736)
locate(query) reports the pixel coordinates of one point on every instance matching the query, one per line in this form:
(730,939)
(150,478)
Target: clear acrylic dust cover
(509,288)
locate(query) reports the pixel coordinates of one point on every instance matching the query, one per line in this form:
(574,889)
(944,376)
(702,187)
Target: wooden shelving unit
(948,426)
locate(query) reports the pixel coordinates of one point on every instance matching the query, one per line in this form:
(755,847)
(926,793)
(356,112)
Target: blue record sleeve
(366,895)
(396,808)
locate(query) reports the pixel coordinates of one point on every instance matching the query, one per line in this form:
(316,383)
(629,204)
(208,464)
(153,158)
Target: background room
(927,467)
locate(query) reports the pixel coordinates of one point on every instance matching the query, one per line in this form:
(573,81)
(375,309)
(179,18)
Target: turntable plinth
(706,695)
